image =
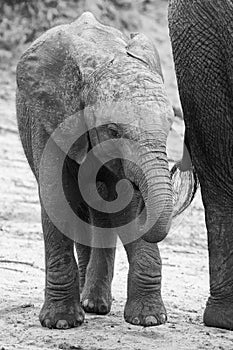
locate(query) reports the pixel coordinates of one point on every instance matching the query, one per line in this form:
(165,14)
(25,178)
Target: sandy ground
(184,253)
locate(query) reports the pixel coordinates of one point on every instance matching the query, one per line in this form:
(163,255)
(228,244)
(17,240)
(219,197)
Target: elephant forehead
(136,105)
(126,76)
(147,117)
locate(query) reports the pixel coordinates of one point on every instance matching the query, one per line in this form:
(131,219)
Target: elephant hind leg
(96,296)
(83,253)
(96,267)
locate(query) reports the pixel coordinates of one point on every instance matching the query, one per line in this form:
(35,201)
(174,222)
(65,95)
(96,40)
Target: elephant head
(113,88)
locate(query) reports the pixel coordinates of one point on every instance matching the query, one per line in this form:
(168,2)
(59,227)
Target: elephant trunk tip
(158,212)
(184,186)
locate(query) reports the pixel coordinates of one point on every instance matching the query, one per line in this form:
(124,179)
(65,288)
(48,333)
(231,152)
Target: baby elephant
(93,118)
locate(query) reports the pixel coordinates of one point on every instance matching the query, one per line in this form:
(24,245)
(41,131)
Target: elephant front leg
(62,307)
(219,307)
(144,304)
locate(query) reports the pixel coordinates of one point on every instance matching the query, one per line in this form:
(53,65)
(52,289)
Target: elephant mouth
(134,211)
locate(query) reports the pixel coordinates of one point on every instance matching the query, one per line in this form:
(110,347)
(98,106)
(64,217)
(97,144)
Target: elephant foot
(219,315)
(97,300)
(146,311)
(61,314)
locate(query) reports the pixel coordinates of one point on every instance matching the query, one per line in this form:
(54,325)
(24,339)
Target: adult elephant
(87,76)
(202,40)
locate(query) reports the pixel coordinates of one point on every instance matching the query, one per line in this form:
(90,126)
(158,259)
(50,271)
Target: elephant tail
(184,185)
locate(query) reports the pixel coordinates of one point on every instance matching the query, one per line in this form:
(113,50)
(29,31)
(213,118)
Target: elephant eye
(114,129)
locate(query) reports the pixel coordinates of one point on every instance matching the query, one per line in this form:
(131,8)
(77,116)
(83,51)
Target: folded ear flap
(49,78)
(143,49)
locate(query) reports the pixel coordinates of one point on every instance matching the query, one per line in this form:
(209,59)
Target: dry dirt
(184,253)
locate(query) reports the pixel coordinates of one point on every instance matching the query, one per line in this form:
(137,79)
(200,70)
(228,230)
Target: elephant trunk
(155,187)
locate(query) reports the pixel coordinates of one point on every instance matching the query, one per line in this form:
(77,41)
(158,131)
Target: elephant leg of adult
(144,304)
(204,68)
(219,222)
(62,307)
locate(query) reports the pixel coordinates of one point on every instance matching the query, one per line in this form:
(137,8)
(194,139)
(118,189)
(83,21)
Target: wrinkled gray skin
(88,66)
(202,39)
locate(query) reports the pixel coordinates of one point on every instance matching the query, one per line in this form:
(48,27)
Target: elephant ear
(143,49)
(49,79)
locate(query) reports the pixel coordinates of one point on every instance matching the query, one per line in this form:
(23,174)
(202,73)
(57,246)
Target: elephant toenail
(85,303)
(62,324)
(151,321)
(47,323)
(136,321)
(81,315)
(163,318)
(91,305)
